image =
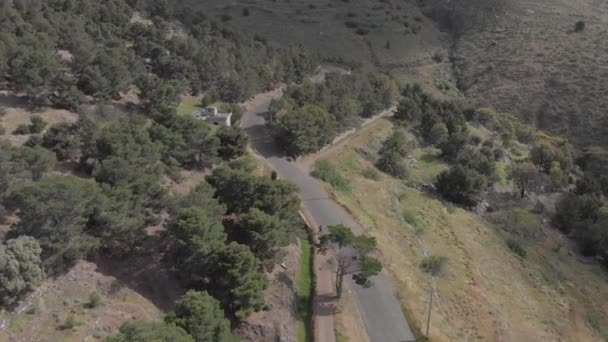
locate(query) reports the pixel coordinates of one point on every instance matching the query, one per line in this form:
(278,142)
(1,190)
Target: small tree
(201,316)
(524,175)
(408,110)
(433,264)
(38,124)
(438,134)
(352,256)
(393,150)
(20,268)
(150,332)
(542,155)
(460,185)
(233,142)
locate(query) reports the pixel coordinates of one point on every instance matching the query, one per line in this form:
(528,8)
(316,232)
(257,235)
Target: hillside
(519,56)
(525,57)
(485,291)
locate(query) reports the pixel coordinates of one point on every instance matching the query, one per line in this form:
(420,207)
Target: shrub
(579,26)
(94,301)
(245,12)
(516,247)
(38,124)
(433,264)
(22,129)
(327,172)
(460,185)
(69,323)
(411,218)
(371,173)
(2,130)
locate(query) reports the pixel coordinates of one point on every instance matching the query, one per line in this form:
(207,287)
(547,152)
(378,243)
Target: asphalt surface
(378,306)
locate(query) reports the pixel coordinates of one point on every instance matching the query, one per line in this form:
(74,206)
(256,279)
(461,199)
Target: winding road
(378,306)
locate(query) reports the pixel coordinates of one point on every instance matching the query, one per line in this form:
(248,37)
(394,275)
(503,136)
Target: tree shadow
(8,99)
(146,272)
(262,138)
(325,305)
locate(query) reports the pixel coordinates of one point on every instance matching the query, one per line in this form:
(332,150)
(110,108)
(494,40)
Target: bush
(327,172)
(516,247)
(433,264)
(460,185)
(2,130)
(38,124)
(245,12)
(22,129)
(579,26)
(69,323)
(371,173)
(94,301)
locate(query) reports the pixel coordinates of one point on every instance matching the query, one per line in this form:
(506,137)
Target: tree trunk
(523,192)
(339,282)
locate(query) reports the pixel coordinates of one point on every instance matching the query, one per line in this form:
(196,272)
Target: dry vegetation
(58,310)
(486,291)
(524,57)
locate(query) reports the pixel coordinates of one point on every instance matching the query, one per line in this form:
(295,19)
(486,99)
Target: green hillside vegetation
(116,162)
(309,115)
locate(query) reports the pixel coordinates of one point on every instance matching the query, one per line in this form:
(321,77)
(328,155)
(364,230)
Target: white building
(211,115)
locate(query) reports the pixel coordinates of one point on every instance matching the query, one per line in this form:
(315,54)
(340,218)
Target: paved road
(378,305)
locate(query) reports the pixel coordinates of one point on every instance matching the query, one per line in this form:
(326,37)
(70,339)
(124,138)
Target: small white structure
(211,115)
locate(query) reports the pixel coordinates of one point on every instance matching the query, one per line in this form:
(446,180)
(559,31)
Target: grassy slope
(487,292)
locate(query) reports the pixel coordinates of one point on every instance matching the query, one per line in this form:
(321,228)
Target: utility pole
(428,319)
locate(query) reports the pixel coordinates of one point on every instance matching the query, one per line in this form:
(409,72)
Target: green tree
(438,134)
(525,175)
(392,152)
(262,233)
(38,124)
(20,268)
(199,235)
(150,332)
(240,191)
(56,211)
(233,142)
(408,110)
(63,139)
(460,185)
(237,281)
(201,316)
(307,129)
(451,148)
(37,160)
(352,256)
(542,155)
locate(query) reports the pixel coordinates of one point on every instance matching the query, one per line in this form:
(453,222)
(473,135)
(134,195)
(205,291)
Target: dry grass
(522,56)
(486,292)
(39,318)
(16,115)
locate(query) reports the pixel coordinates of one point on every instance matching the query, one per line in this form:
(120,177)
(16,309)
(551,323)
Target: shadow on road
(261,137)
(325,305)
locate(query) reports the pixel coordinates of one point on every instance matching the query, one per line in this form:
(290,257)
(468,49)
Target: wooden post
(428,319)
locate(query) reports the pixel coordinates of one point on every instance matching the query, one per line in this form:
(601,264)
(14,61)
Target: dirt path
(324,304)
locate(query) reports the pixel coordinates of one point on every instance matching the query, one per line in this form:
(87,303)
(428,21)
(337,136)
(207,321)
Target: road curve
(379,307)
